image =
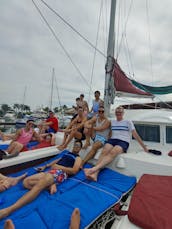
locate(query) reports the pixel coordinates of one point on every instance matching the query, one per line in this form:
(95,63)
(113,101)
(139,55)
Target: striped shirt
(122,129)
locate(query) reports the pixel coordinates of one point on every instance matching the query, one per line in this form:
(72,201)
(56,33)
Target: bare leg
(104,160)
(87,142)
(14,147)
(15,180)
(75,219)
(64,139)
(95,147)
(41,184)
(9,224)
(2,176)
(73,134)
(88,134)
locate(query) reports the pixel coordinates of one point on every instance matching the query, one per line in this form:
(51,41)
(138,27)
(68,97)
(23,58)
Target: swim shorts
(99,138)
(59,175)
(118,142)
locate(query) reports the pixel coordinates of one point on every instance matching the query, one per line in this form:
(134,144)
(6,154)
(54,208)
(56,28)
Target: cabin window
(150,133)
(168,134)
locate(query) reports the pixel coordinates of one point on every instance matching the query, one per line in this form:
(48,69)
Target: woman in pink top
(20,140)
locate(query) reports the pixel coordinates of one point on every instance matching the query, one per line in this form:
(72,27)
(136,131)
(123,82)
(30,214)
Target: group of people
(77,126)
(44,135)
(59,170)
(114,136)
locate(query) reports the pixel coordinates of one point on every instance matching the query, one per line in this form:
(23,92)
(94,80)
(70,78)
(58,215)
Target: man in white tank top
(117,144)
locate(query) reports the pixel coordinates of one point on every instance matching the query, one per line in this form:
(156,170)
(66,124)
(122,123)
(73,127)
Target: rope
(94,56)
(96,188)
(60,43)
(69,25)
(124,30)
(149,39)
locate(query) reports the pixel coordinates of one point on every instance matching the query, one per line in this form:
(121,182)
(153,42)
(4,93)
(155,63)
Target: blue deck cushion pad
(54,211)
(29,145)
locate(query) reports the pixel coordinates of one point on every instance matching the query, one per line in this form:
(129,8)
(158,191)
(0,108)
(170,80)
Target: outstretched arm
(138,138)
(42,168)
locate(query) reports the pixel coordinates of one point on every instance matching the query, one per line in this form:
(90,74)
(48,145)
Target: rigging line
(69,25)
(105,28)
(131,3)
(57,90)
(168,105)
(117,33)
(129,56)
(57,39)
(94,187)
(149,39)
(62,113)
(126,56)
(94,56)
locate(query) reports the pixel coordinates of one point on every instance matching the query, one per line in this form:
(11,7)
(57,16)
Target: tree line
(25,109)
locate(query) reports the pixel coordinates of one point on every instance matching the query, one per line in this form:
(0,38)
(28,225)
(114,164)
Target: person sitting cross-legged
(69,164)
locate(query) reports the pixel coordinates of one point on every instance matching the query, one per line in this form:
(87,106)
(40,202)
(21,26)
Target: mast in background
(52,85)
(23,102)
(109,90)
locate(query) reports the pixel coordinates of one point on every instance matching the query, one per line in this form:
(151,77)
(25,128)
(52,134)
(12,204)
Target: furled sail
(154,90)
(125,87)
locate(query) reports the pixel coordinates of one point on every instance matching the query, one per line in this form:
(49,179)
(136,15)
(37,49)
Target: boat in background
(154,127)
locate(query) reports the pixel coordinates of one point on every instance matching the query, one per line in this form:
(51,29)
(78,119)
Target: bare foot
(4,213)
(86,145)
(89,171)
(92,177)
(1,135)
(75,219)
(15,180)
(53,189)
(61,147)
(91,174)
(9,224)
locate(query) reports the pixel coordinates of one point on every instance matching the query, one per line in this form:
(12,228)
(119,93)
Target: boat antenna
(109,90)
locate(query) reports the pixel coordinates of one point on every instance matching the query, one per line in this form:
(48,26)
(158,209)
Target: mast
(52,83)
(23,102)
(109,90)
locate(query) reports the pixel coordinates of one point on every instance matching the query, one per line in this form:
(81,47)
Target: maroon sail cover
(123,84)
(151,202)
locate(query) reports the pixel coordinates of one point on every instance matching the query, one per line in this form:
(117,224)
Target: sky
(29,51)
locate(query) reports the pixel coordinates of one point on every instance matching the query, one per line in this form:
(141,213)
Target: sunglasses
(101,111)
(77,145)
(30,123)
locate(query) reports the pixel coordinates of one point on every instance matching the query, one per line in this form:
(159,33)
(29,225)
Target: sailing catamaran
(94,199)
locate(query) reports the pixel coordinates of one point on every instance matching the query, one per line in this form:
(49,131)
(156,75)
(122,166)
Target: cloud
(29,52)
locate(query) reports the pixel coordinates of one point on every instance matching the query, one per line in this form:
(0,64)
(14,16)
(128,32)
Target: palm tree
(5,108)
(16,107)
